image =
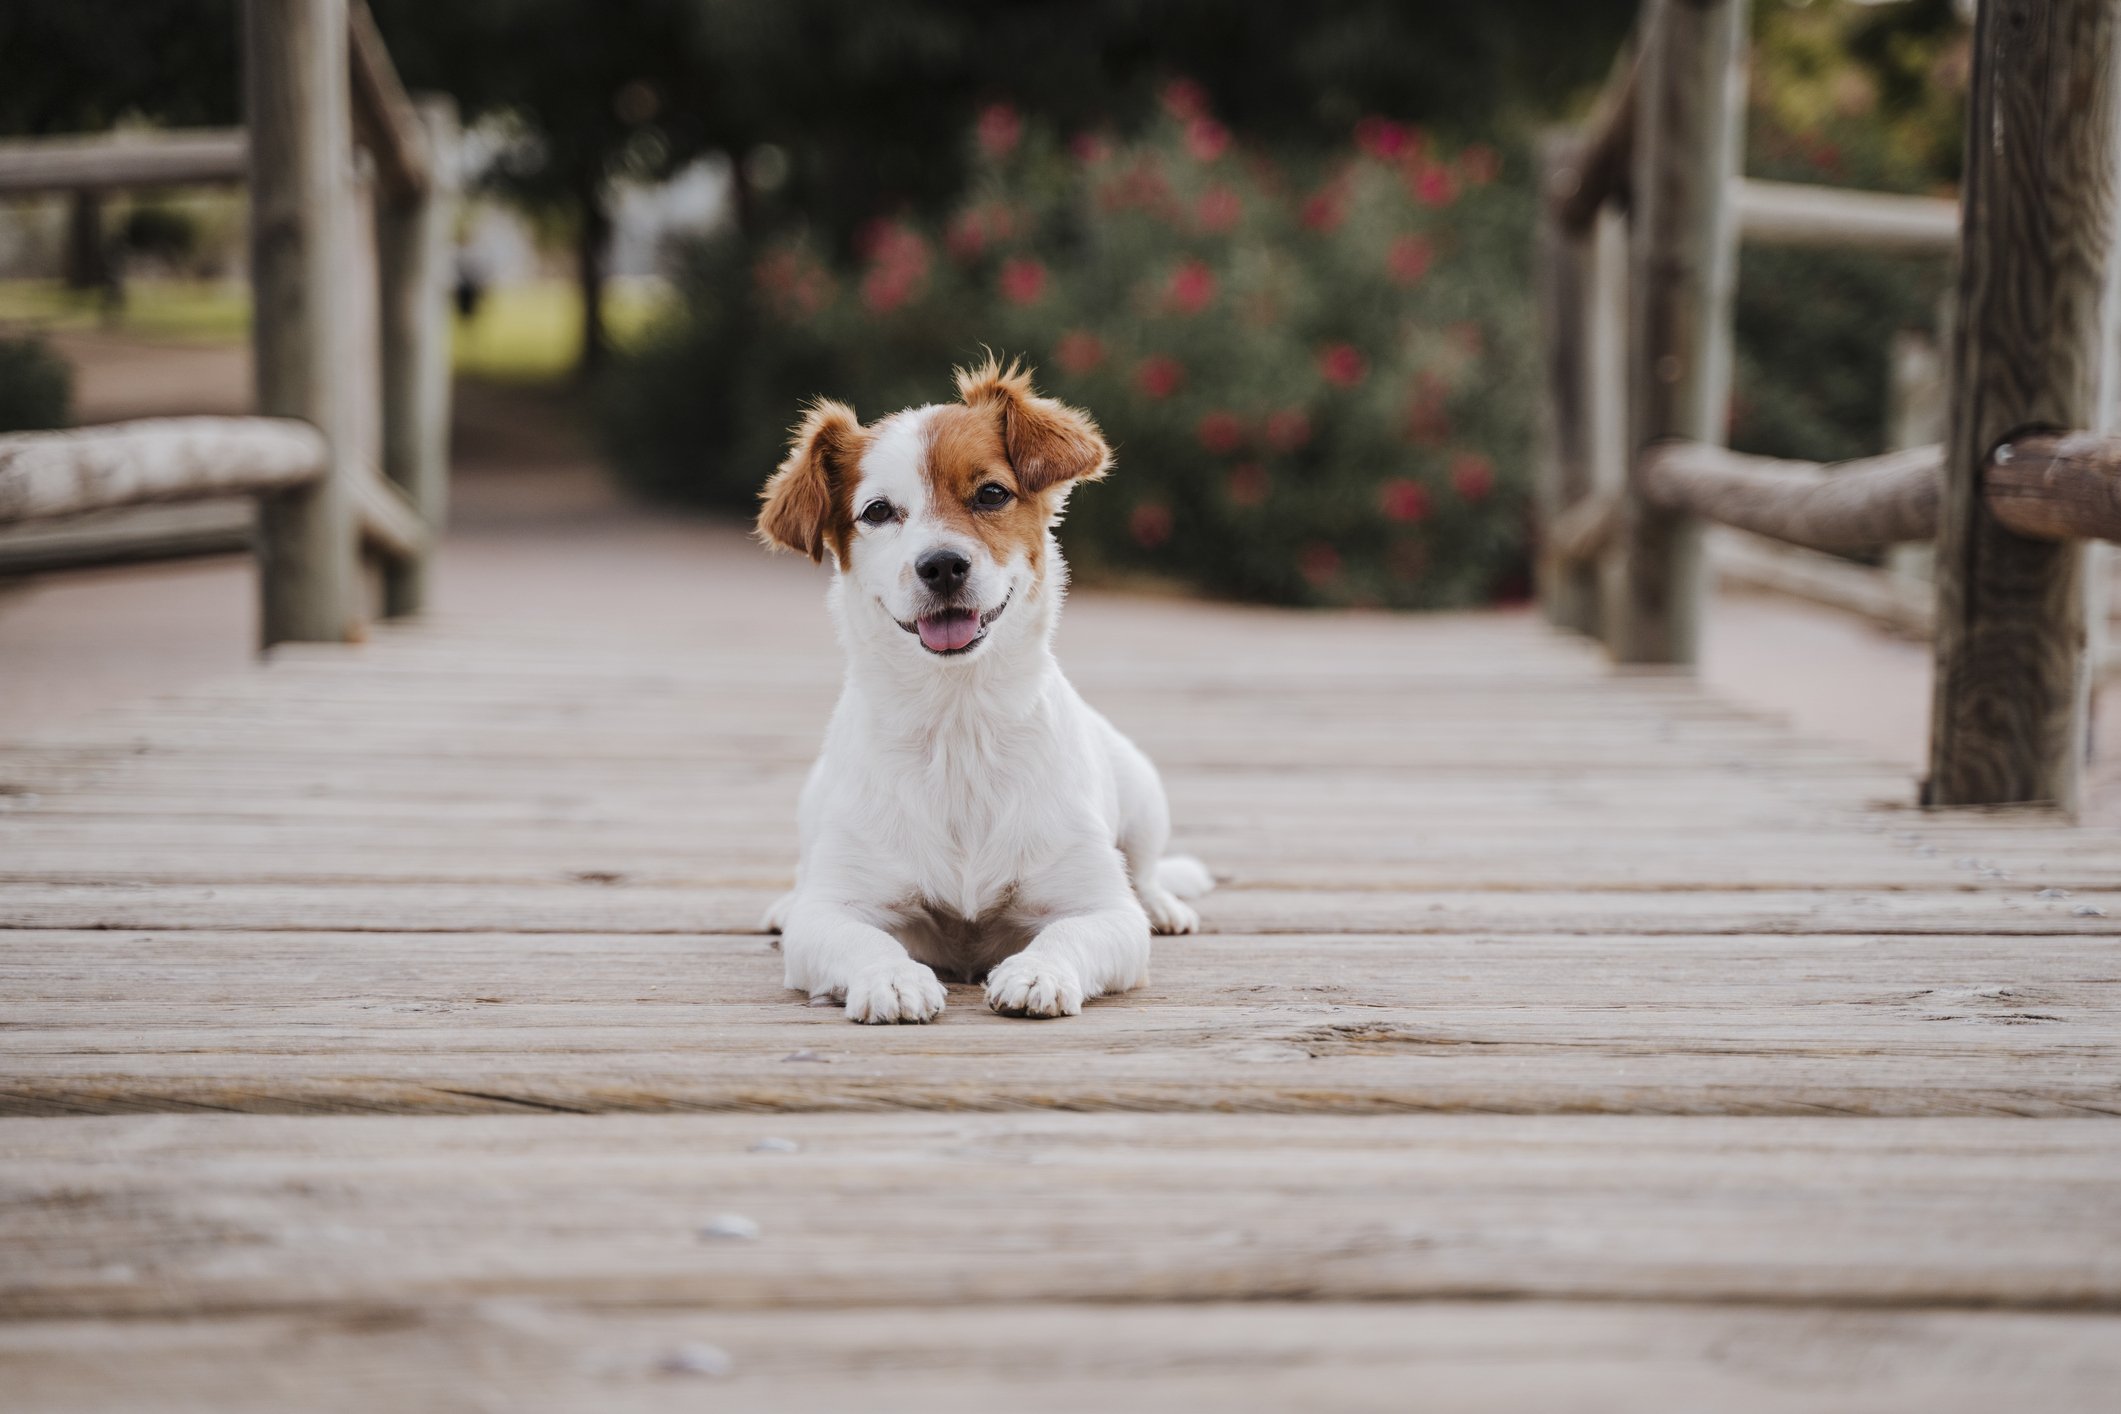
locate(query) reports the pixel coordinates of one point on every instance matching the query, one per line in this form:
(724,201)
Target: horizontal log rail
(2055,486)
(111,162)
(44,475)
(385,119)
(1793,214)
(1854,506)
(1599,173)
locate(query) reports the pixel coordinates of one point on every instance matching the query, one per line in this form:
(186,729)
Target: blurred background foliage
(882,231)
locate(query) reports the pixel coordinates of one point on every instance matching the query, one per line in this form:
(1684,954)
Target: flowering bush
(1314,374)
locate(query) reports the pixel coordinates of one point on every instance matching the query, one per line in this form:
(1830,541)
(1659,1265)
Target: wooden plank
(235,1213)
(574,904)
(1837,218)
(124,161)
(1252,1356)
(1869,1024)
(2056,486)
(1849,506)
(50,475)
(562,1355)
(1683,269)
(2012,683)
(302,233)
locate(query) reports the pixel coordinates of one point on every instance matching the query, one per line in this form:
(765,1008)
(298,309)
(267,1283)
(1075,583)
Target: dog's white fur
(970,814)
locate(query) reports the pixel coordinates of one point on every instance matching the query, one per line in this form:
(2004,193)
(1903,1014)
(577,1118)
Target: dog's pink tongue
(946,633)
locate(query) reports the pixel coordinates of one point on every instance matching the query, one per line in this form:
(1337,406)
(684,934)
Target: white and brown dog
(970,816)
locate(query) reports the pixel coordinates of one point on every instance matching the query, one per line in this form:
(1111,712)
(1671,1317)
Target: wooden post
(414,242)
(2008,717)
(1605,357)
(301,214)
(1684,255)
(1568,592)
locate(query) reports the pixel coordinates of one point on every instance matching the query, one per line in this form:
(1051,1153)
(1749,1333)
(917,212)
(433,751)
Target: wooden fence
(1643,216)
(351,207)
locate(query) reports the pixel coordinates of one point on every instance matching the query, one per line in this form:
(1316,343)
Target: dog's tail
(1184,875)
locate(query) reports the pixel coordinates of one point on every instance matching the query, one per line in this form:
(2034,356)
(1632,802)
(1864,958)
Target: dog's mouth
(947,632)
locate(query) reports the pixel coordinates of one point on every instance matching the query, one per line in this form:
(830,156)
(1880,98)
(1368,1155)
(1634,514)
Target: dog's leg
(831,951)
(1144,830)
(1096,941)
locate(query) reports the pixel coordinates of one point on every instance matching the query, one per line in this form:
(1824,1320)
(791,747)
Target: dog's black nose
(943,571)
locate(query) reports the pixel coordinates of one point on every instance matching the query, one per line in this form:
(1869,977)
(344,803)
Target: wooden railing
(351,205)
(1643,217)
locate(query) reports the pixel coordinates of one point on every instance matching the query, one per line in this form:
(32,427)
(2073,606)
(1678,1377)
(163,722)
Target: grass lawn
(521,334)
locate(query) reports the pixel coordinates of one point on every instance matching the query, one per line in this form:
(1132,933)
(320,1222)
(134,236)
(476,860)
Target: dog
(970,815)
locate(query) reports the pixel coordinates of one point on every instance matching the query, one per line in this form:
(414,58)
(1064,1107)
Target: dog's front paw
(1034,986)
(894,991)
(776,919)
(1169,913)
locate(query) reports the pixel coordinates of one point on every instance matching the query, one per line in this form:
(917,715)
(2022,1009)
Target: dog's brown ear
(1049,443)
(803,507)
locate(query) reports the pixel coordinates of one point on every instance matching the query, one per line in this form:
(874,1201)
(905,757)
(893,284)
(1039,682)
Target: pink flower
(898,265)
(1079,351)
(1159,376)
(1404,500)
(1219,209)
(1192,288)
(1433,185)
(1320,563)
(966,237)
(1151,524)
(1288,429)
(1408,261)
(1206,139)
(1324,211)
(1023,280)
(1220,432)
(1381,137)
(1472,476)
(1248,484)
(1090,148)
(1185,100)
(1342,365)
(1479,164)
(1001,128)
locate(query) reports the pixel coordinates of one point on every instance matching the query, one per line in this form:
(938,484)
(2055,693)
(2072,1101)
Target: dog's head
(939,515)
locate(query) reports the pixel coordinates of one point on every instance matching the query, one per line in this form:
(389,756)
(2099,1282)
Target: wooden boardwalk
(386,1028)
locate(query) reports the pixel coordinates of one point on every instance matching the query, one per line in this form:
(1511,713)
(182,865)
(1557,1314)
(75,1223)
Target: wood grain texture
(1059,1358)
(232,1214)
(2010,704)
(2056,486)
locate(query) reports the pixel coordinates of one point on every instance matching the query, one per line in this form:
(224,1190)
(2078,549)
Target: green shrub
(36,387)
(1314,372)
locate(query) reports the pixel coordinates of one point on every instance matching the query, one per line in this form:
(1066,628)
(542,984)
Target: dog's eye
(878,513)
(991,495)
